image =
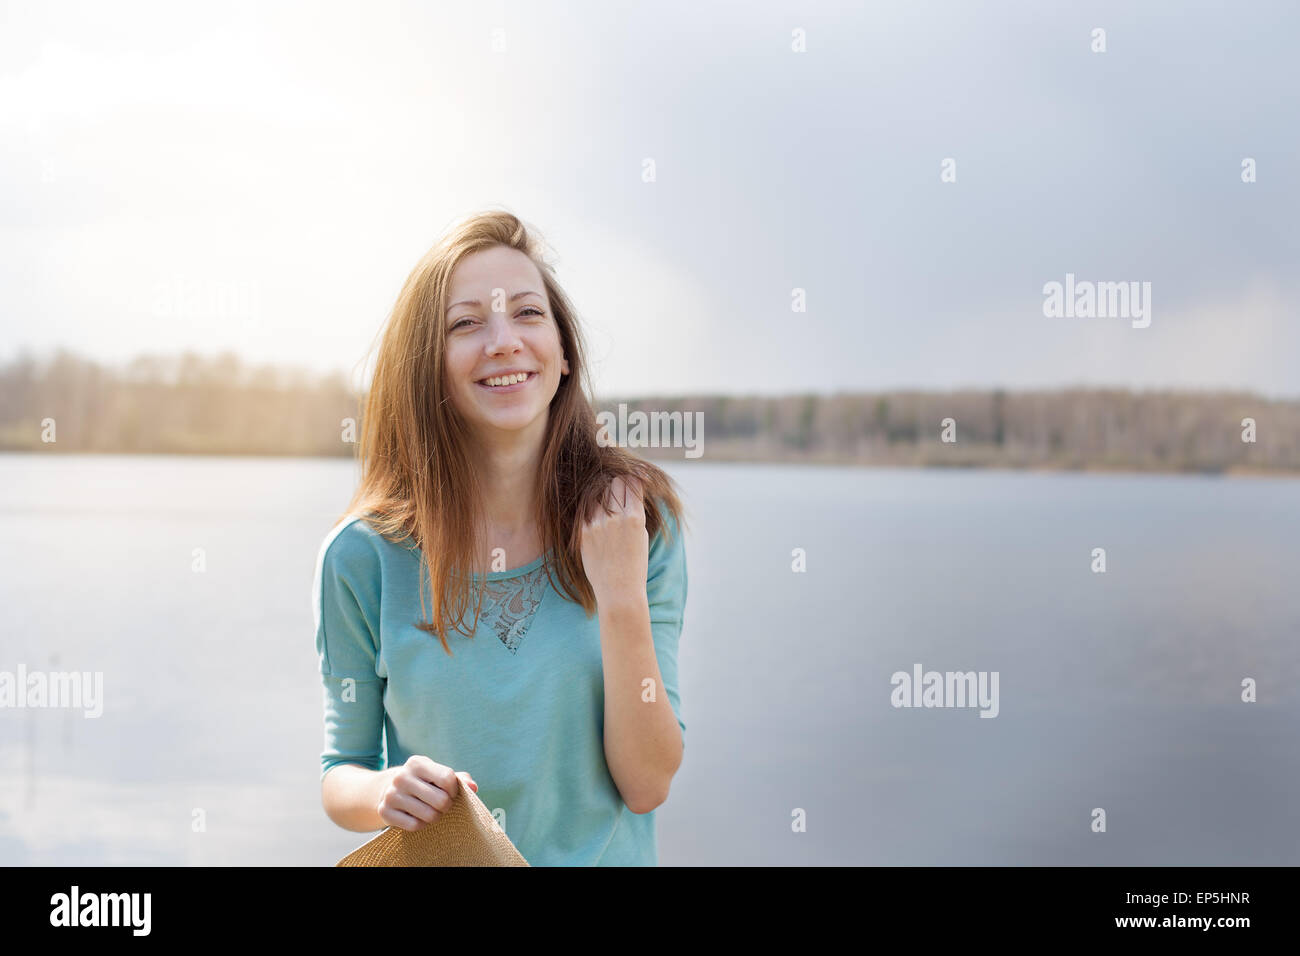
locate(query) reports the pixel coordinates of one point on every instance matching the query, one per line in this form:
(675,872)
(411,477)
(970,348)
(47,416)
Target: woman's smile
(517,386)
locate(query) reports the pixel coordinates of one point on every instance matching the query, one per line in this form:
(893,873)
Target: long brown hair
(417,483)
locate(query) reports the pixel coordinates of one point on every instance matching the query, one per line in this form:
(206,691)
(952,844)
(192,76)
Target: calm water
(1118,690)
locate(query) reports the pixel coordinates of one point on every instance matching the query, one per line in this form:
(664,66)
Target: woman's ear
(564,366)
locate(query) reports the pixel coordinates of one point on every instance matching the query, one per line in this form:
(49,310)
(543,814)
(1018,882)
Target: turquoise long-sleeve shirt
(520,706)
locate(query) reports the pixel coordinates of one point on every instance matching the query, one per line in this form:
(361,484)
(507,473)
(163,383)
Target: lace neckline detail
(510,599)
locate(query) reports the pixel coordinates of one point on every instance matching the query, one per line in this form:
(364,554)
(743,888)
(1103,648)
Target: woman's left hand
(616,546)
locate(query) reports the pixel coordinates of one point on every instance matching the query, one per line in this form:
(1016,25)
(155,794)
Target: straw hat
(466,835)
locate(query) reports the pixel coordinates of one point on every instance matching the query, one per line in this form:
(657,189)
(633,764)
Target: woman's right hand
(420,792)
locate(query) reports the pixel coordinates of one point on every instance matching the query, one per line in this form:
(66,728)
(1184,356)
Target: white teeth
(506,379)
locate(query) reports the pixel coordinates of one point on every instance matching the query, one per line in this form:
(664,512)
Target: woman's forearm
(643,742)
(350,795)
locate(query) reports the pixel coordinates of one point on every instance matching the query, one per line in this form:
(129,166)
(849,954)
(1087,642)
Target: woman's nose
(503,334)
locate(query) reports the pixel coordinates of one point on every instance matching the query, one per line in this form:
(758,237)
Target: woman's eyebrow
(476,303)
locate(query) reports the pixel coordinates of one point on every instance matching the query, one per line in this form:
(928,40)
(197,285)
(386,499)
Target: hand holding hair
(616,545)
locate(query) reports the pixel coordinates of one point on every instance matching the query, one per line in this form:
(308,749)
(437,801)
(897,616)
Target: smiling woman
(502,341)
(483,476)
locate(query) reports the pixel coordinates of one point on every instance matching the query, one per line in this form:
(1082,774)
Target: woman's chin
(508,423)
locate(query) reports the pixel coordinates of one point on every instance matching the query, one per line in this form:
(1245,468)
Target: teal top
(520,706)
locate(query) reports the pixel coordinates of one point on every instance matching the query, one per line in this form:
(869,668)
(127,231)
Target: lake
(1119,690)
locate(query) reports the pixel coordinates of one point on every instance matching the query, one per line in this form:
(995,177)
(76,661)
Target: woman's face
(499,322)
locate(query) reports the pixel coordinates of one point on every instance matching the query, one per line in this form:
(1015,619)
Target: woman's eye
(532,308)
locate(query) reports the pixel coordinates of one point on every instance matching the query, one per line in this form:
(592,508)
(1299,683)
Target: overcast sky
(262,177)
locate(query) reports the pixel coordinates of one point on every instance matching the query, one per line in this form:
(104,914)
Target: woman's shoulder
(670,526)
(352,546)
(668,545)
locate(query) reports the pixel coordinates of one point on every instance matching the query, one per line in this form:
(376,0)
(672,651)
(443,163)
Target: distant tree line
(1095,428)
(170,405)
(193,404)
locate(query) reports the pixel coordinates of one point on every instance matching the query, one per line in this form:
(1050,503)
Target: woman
(558,704)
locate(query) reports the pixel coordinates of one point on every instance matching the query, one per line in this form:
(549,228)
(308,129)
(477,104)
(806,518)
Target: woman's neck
(508,478)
